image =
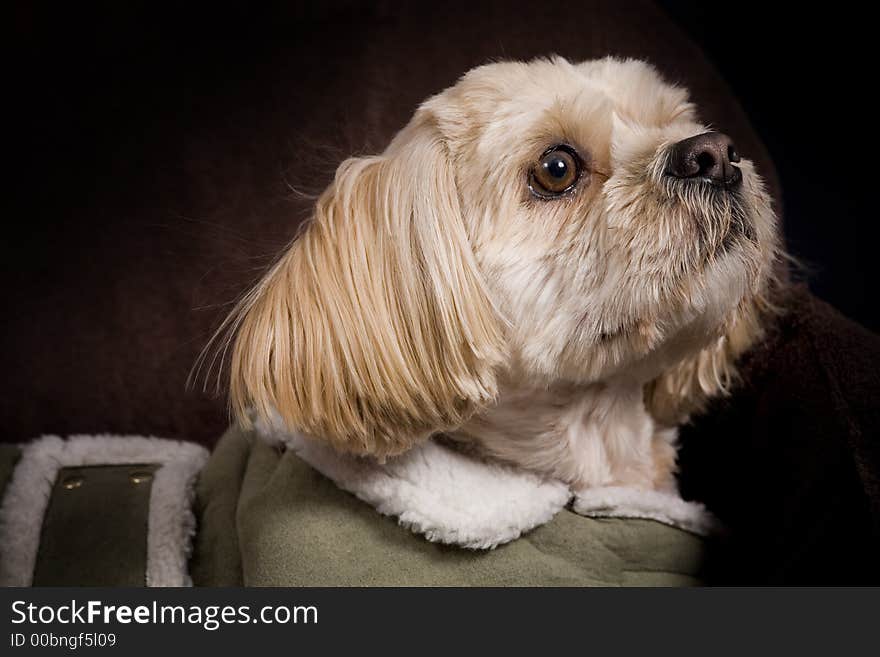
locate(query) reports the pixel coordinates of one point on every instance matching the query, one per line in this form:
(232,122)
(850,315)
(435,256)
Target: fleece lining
(449,497)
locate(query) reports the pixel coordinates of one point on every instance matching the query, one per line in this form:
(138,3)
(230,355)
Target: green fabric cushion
(216,560)
(296,528)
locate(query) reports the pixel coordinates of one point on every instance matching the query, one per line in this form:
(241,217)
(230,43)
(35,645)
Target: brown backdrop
(160,153)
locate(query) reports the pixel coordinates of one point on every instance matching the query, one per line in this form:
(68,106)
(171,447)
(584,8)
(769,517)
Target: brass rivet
(140,477)
(74,481)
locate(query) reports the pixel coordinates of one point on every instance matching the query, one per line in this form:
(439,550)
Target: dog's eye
(555,173)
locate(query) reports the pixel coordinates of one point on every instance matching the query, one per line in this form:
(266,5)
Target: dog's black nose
(708,157)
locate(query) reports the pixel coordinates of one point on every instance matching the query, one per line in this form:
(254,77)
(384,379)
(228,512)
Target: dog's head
(543,222)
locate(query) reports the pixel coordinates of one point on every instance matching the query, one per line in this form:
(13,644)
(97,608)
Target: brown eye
(555,173)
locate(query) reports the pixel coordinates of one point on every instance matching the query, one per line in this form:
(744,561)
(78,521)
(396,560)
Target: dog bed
(303,516)
(123,510)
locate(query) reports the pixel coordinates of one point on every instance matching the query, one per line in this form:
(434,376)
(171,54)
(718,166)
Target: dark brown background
(802,74)
(155,151)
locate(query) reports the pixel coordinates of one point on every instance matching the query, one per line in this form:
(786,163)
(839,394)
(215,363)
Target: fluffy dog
(551,265)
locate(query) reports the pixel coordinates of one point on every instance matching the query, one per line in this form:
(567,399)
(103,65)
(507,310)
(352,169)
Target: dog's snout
(709,156)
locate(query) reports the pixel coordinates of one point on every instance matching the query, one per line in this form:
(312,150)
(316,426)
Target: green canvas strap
(95,528)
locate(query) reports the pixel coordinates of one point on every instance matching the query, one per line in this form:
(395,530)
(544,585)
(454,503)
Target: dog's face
(542,222)
(596,253)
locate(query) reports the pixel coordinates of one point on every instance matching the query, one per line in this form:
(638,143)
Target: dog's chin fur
(434,292)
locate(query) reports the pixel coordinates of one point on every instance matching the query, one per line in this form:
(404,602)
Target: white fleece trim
(452,498)
(621,502)
(171,523)
(444,495)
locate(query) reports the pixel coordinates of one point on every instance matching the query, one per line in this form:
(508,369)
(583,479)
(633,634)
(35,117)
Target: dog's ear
(685,388)
(374,329)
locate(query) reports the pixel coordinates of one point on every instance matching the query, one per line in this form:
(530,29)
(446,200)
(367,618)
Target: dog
(553,265)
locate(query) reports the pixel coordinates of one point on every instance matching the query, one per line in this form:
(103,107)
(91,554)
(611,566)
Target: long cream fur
(374,330)
(433,293)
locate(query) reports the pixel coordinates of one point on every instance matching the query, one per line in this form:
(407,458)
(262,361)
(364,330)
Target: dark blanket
(791,461)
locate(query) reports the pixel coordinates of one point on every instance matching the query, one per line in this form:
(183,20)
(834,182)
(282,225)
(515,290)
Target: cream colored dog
(551,265)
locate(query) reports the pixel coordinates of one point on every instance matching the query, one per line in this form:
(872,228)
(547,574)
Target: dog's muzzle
(707,158)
